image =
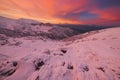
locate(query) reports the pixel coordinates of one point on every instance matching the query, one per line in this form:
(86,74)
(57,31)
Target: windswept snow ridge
(95,57)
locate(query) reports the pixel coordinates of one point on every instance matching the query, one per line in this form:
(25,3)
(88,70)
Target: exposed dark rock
(60,54)
(10,33)
(63,64)
(4,42)
(63,50)
(84,68)
(7,72)
(37,78)
(38,64)
(15,64)
(70,66)
(102,69)
(3,37)
(18,43)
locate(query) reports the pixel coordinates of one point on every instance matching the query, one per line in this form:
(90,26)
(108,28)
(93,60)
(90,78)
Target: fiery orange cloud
(39,9)
(59,11)
(109,14)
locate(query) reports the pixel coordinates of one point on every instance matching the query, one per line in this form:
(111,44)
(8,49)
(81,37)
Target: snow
(95,57)
(43,28)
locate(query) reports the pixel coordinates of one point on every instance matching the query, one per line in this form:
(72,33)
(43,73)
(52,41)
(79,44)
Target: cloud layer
(101,12)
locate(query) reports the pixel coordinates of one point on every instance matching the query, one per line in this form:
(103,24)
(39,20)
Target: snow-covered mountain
(90,56)
(27,27)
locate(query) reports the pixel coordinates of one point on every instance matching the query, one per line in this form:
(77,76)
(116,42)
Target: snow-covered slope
(27,27)
(95,57)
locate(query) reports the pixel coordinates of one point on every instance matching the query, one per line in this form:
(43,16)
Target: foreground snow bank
(95,57)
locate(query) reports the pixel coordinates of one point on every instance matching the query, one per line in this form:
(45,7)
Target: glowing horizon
(68,11)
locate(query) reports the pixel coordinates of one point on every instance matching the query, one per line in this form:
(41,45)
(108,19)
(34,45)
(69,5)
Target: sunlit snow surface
(95,57)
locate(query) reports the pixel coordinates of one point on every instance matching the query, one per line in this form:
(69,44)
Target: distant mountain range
(26,27)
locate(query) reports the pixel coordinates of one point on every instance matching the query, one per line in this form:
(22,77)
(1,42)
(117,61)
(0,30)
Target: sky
(98,12)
